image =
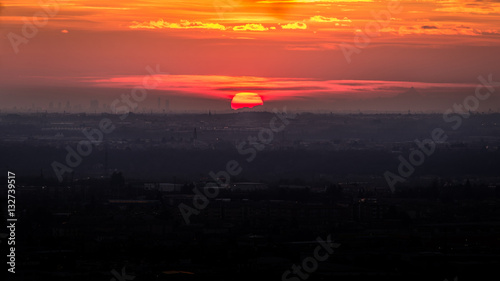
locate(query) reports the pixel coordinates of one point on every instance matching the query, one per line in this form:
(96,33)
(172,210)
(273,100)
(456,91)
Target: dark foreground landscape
(243,197)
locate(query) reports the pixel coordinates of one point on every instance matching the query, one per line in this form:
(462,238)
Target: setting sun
(249,100)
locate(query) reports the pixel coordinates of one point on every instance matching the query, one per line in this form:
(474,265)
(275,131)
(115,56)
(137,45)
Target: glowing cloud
(250,27)
(326,19)
(184,24)
(295,25)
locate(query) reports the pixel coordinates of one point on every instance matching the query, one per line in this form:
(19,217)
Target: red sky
(212,49)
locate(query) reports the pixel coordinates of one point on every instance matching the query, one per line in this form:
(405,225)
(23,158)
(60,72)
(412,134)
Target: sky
(308,54)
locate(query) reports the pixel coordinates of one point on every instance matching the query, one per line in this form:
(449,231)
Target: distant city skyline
(397,100)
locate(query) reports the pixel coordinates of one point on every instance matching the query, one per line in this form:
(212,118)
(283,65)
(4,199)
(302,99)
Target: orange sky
(284,44)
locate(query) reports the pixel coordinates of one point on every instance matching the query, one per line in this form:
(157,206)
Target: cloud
(250,27)
(184,24)
(311,47)
(295,25)
(326,19)
(445,30)
(301,48)
(467,7)
(320,2)
(490,32)
(274,88)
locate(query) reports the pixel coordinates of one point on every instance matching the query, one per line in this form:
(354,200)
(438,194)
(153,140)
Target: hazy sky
(287,51)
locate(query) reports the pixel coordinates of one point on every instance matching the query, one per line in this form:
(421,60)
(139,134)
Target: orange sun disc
(249,100)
